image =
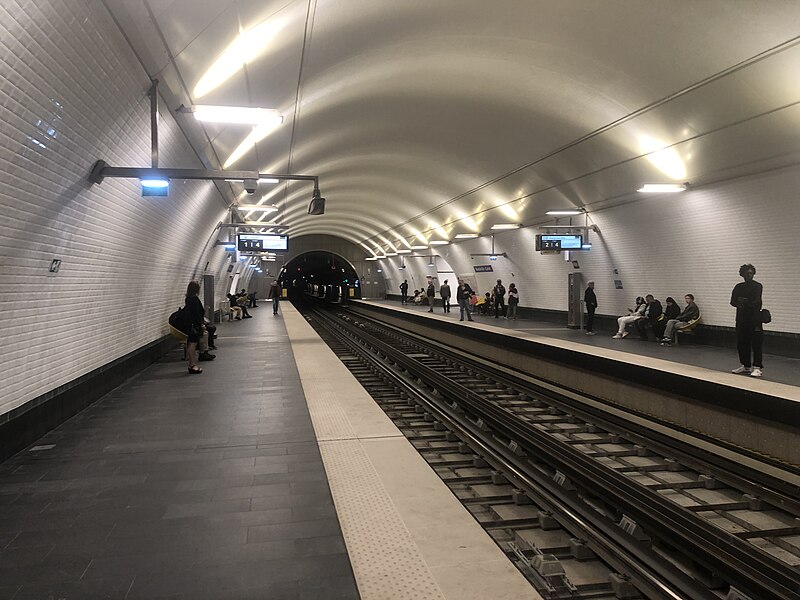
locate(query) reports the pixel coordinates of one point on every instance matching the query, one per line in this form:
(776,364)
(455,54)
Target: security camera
(250,185)
(317,205)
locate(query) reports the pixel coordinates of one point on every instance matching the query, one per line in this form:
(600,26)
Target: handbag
(178,320)
(764,315)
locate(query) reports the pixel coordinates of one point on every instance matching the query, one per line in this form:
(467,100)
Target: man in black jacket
(499,299)
(431,293)
(590,300)
(746,297)
(404,292)
(651,315)
(463,293)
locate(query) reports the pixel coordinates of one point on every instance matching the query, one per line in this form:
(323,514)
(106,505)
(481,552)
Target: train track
(586,503)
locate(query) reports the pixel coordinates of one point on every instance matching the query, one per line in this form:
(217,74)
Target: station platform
(687,389)
(777,369)
(271,475)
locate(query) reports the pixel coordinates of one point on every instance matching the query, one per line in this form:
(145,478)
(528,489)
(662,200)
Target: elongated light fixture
(419,247)
(439,242)
(499,226)
(265,208)
(662,188)
(466,236)
(563,213)
(237,115)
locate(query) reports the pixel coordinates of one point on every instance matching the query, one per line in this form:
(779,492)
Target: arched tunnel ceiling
(426,119)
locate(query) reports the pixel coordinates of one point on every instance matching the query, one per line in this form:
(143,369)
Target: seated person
(634,314)
(234,307)
(671,310)
(241,300)
(690,313)
(417,297)
(652,313)
(485,303)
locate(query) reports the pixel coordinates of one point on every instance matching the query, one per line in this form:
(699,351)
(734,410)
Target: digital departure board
(263,242)
(559,242)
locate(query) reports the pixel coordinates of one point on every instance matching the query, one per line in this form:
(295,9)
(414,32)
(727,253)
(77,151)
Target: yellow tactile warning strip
(408,537)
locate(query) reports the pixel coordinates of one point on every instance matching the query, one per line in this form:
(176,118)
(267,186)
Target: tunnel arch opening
(321,274)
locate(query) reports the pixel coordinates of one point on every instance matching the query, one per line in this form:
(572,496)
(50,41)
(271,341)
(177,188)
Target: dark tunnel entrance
(321,274)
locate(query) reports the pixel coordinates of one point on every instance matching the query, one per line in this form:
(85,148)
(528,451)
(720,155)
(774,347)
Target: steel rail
(648,572)
(740,563)
(771,489)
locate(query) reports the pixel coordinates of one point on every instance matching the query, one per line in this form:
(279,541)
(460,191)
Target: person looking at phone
(746,298)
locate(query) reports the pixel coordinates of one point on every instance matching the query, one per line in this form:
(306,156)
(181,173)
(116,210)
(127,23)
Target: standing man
(444,291)
(590,300)
(499,300)
(404,292)
(463,294)
(431,294)
(275,294)
(746,297)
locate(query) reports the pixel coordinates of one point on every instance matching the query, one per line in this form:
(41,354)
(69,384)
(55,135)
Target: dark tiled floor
(779,369)
(179,486)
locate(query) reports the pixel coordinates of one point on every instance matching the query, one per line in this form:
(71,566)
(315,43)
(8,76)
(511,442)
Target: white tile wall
(72,92)
(666,245)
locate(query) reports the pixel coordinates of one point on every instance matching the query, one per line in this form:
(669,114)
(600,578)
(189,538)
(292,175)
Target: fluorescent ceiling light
(154,183)
(505,226)
(563,213)
(391,254)
(265,208)
(237,115)
(404,251)
(662,188)
(466,236)
(439,242)
(371,258)
(419,247)
(261,180)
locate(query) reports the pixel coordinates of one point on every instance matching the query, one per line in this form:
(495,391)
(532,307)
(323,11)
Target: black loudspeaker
(317,206)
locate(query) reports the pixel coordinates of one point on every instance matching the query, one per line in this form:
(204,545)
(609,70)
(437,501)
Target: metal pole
(154,123)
